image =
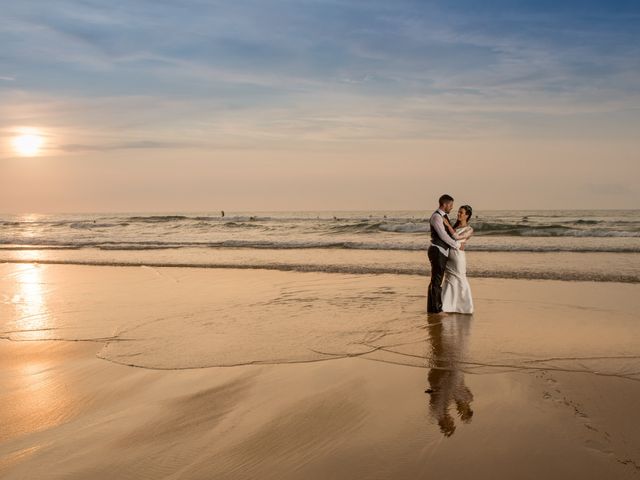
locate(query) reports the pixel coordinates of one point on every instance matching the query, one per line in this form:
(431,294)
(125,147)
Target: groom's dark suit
(441,242)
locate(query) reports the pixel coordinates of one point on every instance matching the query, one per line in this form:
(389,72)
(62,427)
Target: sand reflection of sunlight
(39,398)
(36,394)
(28,256)
(31,308)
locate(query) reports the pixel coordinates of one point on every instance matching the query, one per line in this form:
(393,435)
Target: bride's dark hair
(468,210)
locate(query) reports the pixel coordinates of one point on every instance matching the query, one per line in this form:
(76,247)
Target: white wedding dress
(456,292)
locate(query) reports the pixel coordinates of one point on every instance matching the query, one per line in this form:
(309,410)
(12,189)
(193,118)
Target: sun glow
(28,143)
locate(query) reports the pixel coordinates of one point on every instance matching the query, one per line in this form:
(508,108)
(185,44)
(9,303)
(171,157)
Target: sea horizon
(349,210)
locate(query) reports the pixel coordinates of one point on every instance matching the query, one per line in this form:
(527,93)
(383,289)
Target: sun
(28,143)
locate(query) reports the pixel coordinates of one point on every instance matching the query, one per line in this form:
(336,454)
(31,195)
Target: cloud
(130,145)
(332,70)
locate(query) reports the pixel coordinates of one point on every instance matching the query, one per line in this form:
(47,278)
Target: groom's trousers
(438,263)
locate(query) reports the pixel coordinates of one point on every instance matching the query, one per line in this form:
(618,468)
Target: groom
(441,242)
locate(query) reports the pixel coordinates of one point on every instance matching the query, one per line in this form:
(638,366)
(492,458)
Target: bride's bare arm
(451,230)
(464,236)
(468,233)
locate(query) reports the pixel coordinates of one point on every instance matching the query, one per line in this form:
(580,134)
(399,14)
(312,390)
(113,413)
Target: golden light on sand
(28,143)
(29,299)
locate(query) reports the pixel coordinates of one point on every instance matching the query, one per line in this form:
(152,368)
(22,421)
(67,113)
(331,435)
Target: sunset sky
(197,105)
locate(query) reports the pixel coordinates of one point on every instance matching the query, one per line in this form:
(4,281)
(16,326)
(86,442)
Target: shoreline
(575,266)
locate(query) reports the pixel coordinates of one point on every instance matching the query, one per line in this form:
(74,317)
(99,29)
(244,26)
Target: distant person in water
(222,213)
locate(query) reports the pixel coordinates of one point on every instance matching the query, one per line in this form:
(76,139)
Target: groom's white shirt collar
(441,212)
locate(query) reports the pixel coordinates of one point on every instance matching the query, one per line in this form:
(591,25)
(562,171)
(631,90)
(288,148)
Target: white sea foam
(605,232)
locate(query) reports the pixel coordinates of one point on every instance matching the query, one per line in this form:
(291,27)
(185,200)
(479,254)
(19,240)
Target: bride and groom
(449,290)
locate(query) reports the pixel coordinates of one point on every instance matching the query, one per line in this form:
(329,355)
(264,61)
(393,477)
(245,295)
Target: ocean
(593,245)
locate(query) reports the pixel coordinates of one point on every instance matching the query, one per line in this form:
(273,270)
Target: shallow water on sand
(182,318)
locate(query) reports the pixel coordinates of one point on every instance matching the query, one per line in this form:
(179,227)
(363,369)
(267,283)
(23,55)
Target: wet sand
(622,266)
(129,372)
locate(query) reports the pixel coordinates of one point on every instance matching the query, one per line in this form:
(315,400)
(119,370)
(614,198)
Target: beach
(187,373)
(225,228)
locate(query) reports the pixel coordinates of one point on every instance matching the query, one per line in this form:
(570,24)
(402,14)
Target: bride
(456,292)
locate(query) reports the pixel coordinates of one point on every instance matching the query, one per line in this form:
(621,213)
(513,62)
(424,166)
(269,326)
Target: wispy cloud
(328,70)
(131,145)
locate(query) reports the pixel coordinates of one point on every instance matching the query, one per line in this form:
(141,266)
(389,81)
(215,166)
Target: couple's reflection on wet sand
(448,394)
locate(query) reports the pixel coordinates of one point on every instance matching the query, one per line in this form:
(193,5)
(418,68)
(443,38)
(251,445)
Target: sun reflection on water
(29,299)
(29,255)
(35,390)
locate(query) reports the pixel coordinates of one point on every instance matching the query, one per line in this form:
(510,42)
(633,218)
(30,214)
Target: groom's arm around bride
(438,252)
